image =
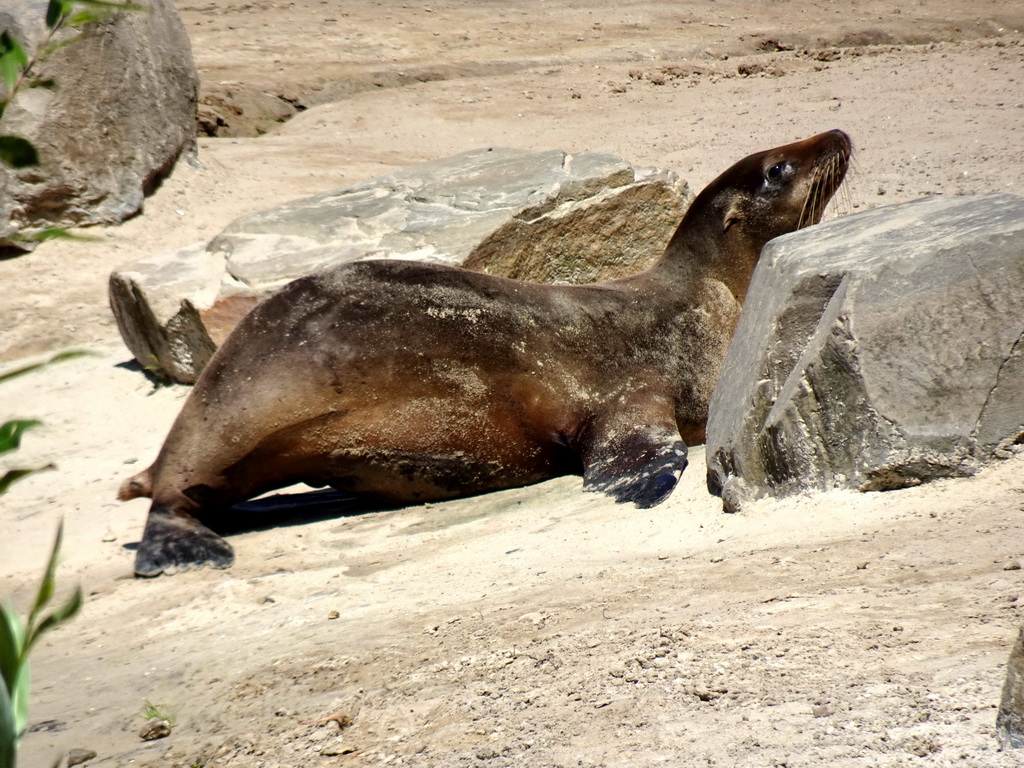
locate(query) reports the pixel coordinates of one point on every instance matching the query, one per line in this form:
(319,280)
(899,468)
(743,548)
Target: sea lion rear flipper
(638,463)
(176,541)
(136,486)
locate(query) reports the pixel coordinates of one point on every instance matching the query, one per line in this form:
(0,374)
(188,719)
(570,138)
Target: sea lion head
(781,190)
(764,195)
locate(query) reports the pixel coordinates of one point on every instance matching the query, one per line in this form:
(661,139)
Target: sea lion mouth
(827,177)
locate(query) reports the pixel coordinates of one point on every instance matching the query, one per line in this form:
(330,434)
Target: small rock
(821,710)
(1013,565)
(338,750)
(333,615)
(79,756)
(155,728)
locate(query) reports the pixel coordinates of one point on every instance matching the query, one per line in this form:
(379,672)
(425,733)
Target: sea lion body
(410,382)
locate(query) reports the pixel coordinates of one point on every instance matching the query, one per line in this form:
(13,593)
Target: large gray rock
(123,111)
(1010,718)
(532,215)
(876,351)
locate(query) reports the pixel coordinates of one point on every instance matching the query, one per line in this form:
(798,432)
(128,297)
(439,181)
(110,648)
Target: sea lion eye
(775,171)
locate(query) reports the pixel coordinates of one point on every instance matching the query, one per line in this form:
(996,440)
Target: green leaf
(16,641)
(59,616)
(87,17)
(21,370)
(56,11)
(47,585)
(8,731)
(19,698)
(53,233)
(12,638)
(53,46)
(11,476)
(12,59)
(14,692)
(113,7)
(98,10)
(9,45)
(11,432)
(17,152)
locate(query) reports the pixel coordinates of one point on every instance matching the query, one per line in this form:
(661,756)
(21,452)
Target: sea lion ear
(731,216)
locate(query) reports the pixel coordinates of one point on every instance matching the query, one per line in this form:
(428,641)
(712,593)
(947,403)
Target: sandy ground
(540,626)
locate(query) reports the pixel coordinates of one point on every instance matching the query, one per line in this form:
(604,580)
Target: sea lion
(409,382)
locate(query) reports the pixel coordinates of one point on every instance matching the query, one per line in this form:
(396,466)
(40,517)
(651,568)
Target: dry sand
(541,626)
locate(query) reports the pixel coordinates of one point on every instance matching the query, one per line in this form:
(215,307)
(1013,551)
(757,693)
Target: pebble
(79,756)
(155,728)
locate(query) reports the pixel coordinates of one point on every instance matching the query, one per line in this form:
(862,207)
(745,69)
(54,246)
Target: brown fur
(410,382)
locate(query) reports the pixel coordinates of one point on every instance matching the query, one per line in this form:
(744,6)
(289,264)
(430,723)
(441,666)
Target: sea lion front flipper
(638,462)
(175,541)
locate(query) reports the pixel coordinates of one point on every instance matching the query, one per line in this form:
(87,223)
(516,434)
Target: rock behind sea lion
(533,215)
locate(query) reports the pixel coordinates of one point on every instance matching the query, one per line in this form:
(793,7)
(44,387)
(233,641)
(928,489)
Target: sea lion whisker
(806,210)
(829,187)
(831,182)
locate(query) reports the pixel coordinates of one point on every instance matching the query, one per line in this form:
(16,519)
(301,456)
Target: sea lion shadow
(285,509)
(153,374)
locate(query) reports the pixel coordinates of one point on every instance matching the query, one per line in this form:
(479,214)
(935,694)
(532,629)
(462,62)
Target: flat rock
(122,112)
(876,351)
(547,216)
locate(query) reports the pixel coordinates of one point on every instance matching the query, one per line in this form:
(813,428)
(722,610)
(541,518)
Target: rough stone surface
(79,756)
(122,113)
(874,352)
(1010,720)
(545,216)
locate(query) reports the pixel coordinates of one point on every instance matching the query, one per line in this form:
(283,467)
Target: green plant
(150,711)
(16,641)
(17,637)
